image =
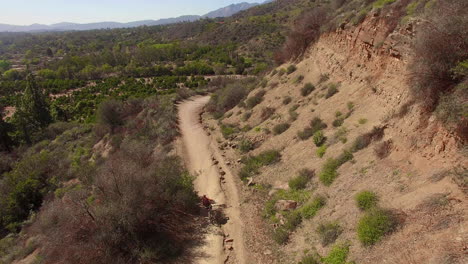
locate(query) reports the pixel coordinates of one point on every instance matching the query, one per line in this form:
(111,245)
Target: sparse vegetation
(316,125)
(253,164)
(338,255)
(291,69)
(363,141)
(324,77)
(230,95)
(287,100)
(300,182)
(366,200)
(382,3)
(310,209)
(293,220)
(281,236)
(440,61)
(319,138)
(228,130)
(246,146)
(307,89)
(332,90)
(310,259)
(328,232)
(267,112)
(321,151)
(383,149)
(253,101)
(338,122)
(280,128)
(374,225)
(246,116)
(298,79)
(307,30)
(293,115)
(329,172)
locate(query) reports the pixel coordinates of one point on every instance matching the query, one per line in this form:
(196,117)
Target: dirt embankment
(415,177)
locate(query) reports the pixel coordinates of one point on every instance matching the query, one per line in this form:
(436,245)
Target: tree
(49,52)
(5,140)
(32,111)
(109,114)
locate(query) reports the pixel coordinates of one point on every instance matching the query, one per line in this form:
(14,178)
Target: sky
(26,12)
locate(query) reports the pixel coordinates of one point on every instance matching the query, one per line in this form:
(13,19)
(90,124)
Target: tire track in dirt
(200,155)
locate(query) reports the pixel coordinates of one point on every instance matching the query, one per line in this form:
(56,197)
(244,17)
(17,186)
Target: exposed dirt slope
(416,179)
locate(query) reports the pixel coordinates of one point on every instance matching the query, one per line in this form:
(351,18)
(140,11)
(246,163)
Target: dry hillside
(394,150)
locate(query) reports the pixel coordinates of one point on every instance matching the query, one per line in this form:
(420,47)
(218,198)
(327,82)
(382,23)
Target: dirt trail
(199,153)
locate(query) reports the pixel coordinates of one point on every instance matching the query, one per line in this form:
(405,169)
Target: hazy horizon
(28,12)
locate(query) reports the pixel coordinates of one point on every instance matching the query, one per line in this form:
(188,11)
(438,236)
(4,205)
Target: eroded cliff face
(413,168)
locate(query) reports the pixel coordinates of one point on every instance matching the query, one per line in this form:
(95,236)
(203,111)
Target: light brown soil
(418,168)
(200,153)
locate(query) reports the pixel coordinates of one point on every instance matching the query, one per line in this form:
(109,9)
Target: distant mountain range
(65,26)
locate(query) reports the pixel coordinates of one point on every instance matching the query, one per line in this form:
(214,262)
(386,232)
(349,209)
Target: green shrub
(291,69)
(374,225)
(253,164)
(363,141)
(294,108)
(293,115)
(337,255)
(110,114)
(281,236)
(321,151)
(382,3)
(246,146)
(293,220)
(246,116)
(329,232)
(298,79)
(300,196)
(340,135)
(305,134)
(319,138)
(228,97)
(287,100)
(332,90)
(362,121)
(329,172)
(228,130)
(453,109)
(307,89)
(366,200)
(338,122)
(281,72)
(317,124)
(253,101)
(310,209)
(280,128)
(300,182)
(309,259)
(344,157)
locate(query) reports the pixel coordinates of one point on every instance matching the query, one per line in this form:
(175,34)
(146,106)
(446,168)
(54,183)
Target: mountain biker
(206,202)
